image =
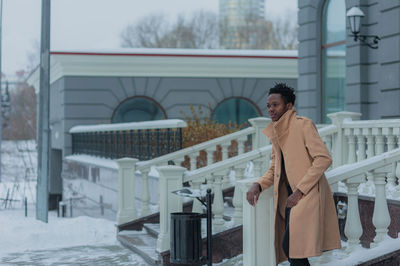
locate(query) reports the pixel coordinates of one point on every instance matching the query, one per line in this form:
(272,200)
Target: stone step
(152,229)
(141,243)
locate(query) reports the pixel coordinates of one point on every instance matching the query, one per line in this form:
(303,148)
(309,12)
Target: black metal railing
(143,144)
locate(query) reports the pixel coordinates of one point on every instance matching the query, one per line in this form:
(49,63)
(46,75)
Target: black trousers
(285,242)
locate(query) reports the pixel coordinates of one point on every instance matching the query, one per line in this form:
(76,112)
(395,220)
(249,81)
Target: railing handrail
(226,164)
(347,171)
(371,123)
(156,124)
(243,158)
(195,148)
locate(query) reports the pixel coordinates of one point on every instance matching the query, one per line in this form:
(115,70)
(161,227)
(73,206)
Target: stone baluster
(391,139)
(379,140)
(145,193)
(391,177)
(353,229)
(237,195)
(171,178)
(370,143)
(241,142)
(218,202)
(193,161)
(352,145)
(126,190)
(224,150)
(396,193)
(381,217)
(210,182)
(226,182)
(210,155)
(361,144)
(196,184)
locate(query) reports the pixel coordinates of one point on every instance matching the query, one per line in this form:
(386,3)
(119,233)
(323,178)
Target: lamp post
(355,15)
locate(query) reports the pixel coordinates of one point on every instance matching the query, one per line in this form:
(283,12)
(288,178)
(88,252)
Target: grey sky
(87,24)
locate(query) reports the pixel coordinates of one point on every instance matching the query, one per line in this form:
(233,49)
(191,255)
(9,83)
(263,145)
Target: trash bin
(185,238)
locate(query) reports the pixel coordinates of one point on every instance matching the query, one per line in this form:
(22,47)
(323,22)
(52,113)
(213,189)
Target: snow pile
(19,233)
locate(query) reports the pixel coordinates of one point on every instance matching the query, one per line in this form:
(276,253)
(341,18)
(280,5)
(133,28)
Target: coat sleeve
(321,158)
(267,179)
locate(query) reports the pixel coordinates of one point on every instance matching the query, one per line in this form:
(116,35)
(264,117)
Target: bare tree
(154,31)
(22,121)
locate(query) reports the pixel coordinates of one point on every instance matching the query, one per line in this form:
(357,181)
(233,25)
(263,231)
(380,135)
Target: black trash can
(185,238)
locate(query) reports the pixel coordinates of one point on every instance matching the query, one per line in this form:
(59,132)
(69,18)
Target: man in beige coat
(303,201)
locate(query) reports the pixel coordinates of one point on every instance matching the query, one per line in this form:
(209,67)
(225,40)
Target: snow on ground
(61,241)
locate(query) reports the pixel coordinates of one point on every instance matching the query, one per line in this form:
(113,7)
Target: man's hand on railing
(253,193)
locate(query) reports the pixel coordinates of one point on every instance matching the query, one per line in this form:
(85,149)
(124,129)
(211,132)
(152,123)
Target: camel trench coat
(313,221)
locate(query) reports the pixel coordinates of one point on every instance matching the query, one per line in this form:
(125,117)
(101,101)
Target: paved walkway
(81,255)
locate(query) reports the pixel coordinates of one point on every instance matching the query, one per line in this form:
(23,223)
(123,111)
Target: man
(304,211)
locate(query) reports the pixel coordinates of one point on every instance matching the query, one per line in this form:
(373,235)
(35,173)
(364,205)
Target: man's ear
(289,105)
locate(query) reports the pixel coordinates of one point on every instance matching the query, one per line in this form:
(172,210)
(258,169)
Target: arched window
(138,109)
(237,110)
(333,57)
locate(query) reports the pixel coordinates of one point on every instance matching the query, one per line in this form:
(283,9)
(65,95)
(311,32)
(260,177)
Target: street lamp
(355,14)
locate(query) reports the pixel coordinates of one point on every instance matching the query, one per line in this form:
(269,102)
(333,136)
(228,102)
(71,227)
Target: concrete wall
(372,76)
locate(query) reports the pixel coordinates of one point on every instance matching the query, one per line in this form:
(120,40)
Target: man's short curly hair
(285,91)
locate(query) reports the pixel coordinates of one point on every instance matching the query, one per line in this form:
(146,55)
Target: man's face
(276,106)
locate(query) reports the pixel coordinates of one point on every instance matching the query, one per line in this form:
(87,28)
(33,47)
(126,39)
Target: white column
(353,228)
(259,139)
(145,193)
(361,144)
(218,203)
(258,227)
(381,217)
(126,190)
(340,146)
(171,178)
(197,206)
(237,196)
(260,166)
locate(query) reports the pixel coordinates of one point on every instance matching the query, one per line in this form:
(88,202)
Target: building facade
(335,72)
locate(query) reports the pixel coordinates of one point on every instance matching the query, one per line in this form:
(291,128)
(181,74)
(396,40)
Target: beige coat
(313,221)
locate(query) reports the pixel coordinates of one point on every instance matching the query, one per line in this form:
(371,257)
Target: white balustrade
(259,124)
(352,146)
(171,178)
(370,144)
(145,193)
(353,227)
(218,202)
(126,188)
(381,217)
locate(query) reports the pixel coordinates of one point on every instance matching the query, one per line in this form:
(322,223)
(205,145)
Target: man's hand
(293,199)
(253,193)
